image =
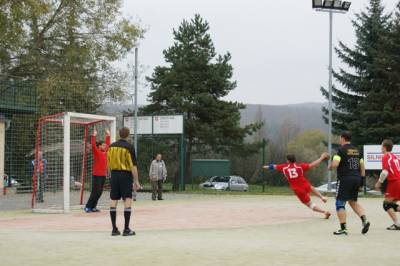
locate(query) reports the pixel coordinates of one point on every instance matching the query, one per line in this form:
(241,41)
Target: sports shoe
(393,227)
(340,232)
(365,228)
(115,232)
(95,210)
(128,232)
(88,210)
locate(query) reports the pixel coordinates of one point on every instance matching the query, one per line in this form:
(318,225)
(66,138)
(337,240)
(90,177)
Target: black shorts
(121,185)
(347,188)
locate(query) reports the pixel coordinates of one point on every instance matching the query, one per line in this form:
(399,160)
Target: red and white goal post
(62,163)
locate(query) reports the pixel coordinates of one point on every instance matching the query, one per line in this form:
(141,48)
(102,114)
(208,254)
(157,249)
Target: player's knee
(340,205)
(311,205)
(390,205)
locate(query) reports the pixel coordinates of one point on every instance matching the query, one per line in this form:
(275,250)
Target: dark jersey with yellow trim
(121,156)
(349,165)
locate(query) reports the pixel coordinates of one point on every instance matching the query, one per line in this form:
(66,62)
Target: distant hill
(305,116)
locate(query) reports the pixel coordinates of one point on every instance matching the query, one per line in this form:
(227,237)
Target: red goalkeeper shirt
(99,158)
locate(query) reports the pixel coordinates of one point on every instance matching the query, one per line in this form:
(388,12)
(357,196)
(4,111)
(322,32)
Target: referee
(350,173)
(122,163)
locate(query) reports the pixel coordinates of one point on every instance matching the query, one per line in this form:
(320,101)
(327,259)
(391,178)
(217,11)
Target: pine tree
(193,83)
(387,110)
(358,104)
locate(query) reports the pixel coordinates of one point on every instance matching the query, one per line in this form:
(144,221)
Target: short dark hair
(124,133)
(388,144)
(291,158)
(99,143)
(346,135)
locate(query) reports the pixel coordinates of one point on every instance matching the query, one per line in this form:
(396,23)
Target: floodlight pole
(135,101)
(330,94)
(330,86)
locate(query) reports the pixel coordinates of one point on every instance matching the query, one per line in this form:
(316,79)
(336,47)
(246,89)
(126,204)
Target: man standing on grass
(121,161)
(99,170)
(158,174)
(350,173)
(391,173)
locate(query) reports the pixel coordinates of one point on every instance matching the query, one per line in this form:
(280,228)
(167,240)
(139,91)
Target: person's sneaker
(365,228)
(128,232)
(88,210)
(393,227)
(160,199)
(115,232)
(95,210)
(340,232)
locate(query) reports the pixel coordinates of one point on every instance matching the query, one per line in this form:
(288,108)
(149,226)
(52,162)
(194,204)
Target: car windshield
(224,179)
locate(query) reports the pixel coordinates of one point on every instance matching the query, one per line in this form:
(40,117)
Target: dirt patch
(216,213)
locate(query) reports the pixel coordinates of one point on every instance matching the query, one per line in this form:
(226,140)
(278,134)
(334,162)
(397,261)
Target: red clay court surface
(207,214)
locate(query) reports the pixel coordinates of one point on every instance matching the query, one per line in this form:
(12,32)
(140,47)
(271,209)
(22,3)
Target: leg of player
(127,216)
(315,208)
(390,206)
(318,194)
(359,210)
(113,216)
(341,213)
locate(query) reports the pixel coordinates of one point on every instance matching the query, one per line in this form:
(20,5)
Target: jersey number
(354,163)
(293,173)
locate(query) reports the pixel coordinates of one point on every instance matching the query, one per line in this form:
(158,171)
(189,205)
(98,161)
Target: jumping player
(298,183)
(391,173)
(350,172)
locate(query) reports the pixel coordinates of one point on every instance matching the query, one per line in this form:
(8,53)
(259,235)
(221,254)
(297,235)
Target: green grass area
(253,190)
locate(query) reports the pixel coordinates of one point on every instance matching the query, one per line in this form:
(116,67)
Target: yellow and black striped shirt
(121,156)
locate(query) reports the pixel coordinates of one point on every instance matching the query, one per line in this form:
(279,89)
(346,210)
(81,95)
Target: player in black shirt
(350,173)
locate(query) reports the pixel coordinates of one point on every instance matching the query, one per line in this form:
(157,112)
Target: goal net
(63,159)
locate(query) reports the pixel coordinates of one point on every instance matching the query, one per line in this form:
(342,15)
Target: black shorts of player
(347,188)
(121,185)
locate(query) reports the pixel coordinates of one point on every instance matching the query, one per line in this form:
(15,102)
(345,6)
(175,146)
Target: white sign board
(373,156)
(145,124)
(168,124)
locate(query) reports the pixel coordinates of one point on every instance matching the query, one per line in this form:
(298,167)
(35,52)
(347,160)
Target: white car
(234,183)
(324,188)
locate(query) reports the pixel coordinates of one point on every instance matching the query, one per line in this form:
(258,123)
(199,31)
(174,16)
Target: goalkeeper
(99,171)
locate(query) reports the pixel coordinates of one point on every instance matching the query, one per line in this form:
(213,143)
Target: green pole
(263,163)
(182,162)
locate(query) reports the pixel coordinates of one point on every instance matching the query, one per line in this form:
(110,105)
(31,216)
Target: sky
(279,48)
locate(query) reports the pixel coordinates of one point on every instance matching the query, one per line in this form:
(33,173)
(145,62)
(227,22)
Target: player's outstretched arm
(323,157)
(270,167)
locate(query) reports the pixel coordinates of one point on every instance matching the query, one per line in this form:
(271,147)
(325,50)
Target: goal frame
(66,121)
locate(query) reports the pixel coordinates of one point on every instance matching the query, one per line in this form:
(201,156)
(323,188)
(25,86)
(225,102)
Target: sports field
(200,230)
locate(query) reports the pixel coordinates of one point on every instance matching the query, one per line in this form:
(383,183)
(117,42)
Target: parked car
(12,179)
(234,183)
(324,188)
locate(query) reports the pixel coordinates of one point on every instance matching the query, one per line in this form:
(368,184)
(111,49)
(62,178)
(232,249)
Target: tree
(67,47)
(193,83)
(359,106)
(385,113)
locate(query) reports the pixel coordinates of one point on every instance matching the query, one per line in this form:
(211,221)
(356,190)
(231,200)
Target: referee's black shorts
(121,185)
(347,188)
